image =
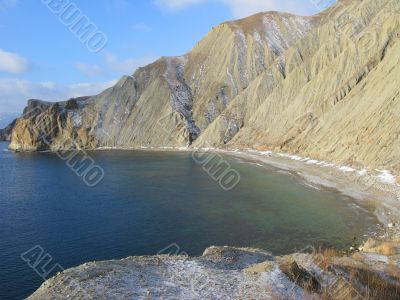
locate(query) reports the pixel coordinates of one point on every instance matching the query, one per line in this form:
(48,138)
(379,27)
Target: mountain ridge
(275,81)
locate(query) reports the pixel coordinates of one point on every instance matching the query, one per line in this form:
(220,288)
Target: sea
(58,211)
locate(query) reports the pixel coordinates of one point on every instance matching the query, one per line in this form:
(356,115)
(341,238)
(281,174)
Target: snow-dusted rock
(221,273)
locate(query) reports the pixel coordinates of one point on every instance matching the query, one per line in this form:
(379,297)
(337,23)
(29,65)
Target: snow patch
(362,172)
(386,177)
(76,119)
(346,169)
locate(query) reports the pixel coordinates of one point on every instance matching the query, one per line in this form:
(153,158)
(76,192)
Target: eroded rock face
(51,126)
(324,87)
(170,102)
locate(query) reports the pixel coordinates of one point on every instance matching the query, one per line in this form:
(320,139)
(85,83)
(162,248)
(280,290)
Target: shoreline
(375,189)
(374,254)
(368,189)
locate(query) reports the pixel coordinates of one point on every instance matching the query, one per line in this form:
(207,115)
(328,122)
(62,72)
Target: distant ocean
(151,202)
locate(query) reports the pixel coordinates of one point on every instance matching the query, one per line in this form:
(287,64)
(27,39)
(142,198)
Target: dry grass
(300,276)
(375,287)
(387,249)
(262,148)
(323,257)
(384,248)
(330,253)
(352,280)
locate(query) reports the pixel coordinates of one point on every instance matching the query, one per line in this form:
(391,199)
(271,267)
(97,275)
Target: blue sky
(41,58)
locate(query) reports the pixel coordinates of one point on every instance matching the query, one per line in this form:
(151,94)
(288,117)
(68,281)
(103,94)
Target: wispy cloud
(13,63)
(89,70)
(126,66)
(142,27)
(7,3)
(243,8)
(176,4)
(15,92)
(112,63)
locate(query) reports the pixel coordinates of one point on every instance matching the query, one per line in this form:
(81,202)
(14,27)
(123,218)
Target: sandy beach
(374,189)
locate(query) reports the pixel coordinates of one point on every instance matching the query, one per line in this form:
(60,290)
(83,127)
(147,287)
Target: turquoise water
(148,201)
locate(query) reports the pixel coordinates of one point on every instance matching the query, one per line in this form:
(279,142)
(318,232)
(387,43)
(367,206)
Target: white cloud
(12,62)
(15,92)
(112,63)
(243,8)
(126,66)
(89,70)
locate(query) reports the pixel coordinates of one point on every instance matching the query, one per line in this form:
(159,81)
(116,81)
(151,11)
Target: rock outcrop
(225,272)
(324,86)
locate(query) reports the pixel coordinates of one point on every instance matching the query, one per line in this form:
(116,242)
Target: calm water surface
(148,201)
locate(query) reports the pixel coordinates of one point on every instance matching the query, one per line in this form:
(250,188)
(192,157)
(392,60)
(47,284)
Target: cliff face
(324,86)
(339,96)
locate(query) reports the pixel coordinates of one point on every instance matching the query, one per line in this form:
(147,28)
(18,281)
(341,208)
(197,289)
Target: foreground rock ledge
(227,273)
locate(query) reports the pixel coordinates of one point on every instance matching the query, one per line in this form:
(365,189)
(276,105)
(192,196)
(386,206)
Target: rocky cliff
(231,273)
(324,86)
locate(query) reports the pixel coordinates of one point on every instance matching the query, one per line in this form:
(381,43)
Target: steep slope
(170,102)
(338,100)
(324,86)
(348,111)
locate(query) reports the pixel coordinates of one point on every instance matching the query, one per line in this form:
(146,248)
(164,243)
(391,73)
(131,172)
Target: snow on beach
(383,176)
(360,184)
